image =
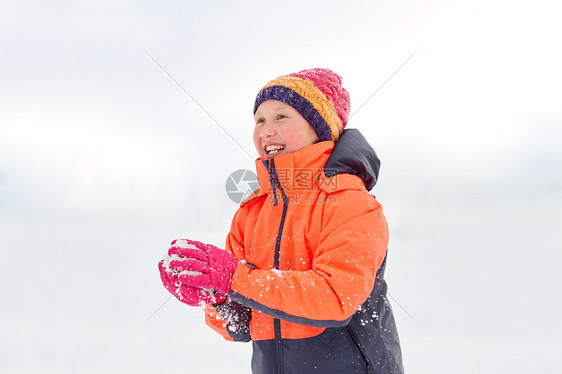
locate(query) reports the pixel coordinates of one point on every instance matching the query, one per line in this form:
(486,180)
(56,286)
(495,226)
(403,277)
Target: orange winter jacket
(310,243)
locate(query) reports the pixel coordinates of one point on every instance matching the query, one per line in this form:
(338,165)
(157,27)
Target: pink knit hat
(317,94)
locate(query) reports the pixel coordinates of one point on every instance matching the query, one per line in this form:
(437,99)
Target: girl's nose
(267,130)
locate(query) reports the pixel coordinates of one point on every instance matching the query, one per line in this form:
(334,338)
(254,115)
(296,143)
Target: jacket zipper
(274,180)
(361,352)
(278,345)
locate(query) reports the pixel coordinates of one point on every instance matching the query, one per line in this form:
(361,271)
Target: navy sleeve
(237,319)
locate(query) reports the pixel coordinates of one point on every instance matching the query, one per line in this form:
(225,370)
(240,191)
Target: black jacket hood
(352,154)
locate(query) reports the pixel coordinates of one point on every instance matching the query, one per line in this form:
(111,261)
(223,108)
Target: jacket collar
(296,171)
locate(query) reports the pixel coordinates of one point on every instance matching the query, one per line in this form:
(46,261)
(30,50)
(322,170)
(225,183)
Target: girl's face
(280,129)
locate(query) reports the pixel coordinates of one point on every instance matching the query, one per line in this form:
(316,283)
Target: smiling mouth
(274,149)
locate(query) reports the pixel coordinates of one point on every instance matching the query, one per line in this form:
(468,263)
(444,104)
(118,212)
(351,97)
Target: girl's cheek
(257,140)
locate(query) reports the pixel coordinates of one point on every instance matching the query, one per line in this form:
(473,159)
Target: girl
(302,273)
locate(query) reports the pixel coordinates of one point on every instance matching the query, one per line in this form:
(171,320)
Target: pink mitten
(192,296)
(202,265)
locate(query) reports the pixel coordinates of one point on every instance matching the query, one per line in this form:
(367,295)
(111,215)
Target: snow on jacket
(310,291)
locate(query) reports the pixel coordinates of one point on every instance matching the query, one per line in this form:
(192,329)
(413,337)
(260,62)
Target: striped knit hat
(317,94)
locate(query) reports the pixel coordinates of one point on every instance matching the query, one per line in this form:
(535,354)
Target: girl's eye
(281,116)
(259,121)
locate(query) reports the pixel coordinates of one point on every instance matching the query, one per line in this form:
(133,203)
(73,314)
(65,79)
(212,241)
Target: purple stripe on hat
(302,105)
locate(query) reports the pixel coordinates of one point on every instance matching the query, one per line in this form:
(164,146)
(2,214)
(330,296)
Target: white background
(104,160)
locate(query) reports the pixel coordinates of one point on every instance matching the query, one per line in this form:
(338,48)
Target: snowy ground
(104,160)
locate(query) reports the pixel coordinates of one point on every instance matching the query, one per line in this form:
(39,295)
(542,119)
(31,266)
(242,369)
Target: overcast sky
(121,121)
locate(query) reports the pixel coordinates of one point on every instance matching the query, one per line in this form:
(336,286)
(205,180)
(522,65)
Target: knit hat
(317,94)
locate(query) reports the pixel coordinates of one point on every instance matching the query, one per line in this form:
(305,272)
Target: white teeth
(275,148)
